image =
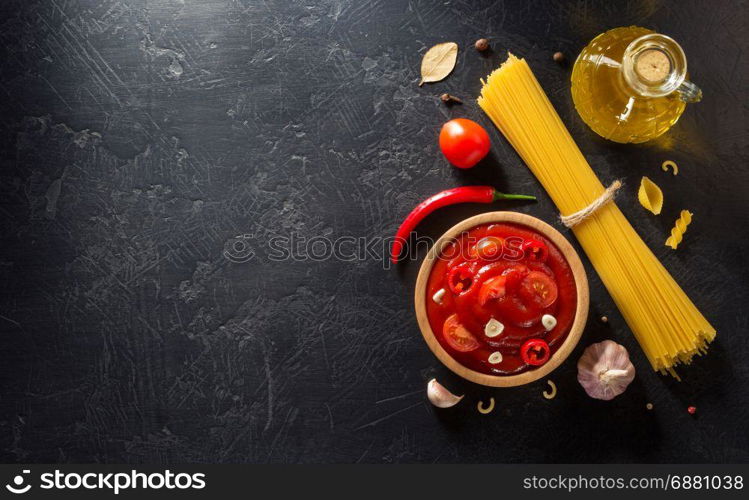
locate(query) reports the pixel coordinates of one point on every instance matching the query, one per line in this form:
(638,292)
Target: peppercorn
(447,98)
(558,57)
(482,44)
(692,410)
(649,406)
(604,319)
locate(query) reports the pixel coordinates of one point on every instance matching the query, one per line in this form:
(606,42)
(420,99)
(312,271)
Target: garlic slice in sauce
(549,322)
(495,358)
(493,328)
(439,295)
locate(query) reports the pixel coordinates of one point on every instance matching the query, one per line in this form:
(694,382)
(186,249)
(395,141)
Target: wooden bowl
(581,314)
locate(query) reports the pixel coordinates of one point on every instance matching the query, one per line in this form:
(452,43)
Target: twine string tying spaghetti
(576,218)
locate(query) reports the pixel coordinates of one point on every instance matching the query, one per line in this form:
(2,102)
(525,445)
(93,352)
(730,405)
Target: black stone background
(141,138)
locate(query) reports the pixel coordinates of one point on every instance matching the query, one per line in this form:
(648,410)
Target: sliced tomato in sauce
(538,290)
(457,336)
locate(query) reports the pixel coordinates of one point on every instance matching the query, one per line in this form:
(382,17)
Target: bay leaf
(438,62)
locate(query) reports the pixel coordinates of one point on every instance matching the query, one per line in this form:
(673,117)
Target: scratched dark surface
(146,146)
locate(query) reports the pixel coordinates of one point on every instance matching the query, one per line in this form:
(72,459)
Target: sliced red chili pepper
(466,194)
(460,278)
(535,250)
(535,352)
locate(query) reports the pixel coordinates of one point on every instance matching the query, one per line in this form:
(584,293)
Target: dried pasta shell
(650,196)
(677,233)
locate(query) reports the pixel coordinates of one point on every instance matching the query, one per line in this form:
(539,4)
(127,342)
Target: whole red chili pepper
(466,194)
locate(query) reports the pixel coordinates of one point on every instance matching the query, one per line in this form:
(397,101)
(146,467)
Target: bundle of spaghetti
(668,326)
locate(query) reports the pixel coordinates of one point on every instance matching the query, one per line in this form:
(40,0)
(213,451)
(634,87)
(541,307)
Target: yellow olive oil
(629,84)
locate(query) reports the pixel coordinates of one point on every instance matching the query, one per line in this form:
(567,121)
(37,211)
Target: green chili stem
(503,196)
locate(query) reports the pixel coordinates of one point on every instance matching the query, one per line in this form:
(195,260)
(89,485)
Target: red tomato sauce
(505,272)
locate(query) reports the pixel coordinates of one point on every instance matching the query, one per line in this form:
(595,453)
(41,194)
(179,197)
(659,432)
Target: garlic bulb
(604,370)
(441,397)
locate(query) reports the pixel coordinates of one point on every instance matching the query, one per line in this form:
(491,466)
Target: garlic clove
(439,295)
(604,370)
(549,322)
(493,328)
(495,358)
(441,397)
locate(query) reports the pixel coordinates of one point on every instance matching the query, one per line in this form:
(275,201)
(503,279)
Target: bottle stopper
(653,65)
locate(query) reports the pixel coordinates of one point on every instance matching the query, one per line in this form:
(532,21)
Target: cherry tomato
(538,289)
(493,288)
(464,142)
(535,250)
(457,336)
(535,352)
(489,248)
(460,278)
